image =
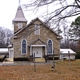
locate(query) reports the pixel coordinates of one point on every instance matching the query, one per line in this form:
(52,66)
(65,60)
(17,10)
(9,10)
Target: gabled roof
(19,15)
(66,51)
(32,23)
(36,41)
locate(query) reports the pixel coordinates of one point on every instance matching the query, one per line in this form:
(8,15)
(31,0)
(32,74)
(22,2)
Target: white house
(3,51)
(7,52)
(67,53)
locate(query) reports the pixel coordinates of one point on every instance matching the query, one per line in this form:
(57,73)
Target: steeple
(19,15)
(19,2)
(19,21)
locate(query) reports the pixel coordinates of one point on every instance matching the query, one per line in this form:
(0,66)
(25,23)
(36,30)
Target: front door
(37,51)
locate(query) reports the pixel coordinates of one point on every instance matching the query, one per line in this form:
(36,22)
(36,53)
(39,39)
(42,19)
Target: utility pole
(34,62)
(53,66)
(69,58)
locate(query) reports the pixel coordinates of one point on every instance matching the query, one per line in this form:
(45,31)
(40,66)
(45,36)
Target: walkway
(23,63)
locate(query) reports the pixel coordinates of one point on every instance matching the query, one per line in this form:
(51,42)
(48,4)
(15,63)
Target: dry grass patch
(43,72)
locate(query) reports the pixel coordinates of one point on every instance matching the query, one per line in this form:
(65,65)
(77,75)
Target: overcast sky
(8,10)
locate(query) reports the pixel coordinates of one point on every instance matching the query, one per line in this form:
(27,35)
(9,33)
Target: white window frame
(19,25)
(21,47)
(37,29)
(52,45)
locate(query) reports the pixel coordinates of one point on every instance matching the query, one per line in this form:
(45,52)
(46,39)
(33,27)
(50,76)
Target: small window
(19,25)
(24,47)
(50,47)
(63,55)
(37,29)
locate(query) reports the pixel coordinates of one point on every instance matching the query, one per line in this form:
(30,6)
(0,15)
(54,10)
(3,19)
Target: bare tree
(8,35)
(60,10)
(5,36)
(2,37)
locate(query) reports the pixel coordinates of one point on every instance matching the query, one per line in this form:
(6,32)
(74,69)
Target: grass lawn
(43,72)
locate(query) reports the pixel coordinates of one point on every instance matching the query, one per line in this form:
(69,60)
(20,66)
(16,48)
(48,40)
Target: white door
(37,51)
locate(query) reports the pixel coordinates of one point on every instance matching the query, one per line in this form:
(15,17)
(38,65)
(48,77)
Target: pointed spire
(19,2)
(19,15)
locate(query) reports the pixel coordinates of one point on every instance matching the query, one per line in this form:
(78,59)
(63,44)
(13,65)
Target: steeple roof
(19,15)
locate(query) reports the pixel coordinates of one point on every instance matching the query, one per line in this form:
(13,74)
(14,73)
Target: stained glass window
(49,47)
(24,47)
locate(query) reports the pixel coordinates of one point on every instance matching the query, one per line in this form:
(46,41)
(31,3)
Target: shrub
(21,59)
(78,55)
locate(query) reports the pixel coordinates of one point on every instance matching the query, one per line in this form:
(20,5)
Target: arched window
(50,47)
(19,25)
(37,29)
(24,47)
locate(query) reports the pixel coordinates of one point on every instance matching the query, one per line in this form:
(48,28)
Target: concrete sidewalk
(23,63)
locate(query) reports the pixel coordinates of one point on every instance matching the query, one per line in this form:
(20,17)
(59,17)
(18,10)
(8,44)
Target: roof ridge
(41,22)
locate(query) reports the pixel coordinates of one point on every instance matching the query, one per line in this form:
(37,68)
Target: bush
(21,59)
(51,58)
(78,55)
(1,60)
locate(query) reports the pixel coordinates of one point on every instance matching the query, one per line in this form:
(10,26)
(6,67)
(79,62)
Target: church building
(33,38)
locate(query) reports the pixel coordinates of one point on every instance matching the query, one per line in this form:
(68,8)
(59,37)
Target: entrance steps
(39,59)
(8,60)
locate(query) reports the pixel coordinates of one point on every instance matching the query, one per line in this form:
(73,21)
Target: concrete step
(39,60)
(8,60)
